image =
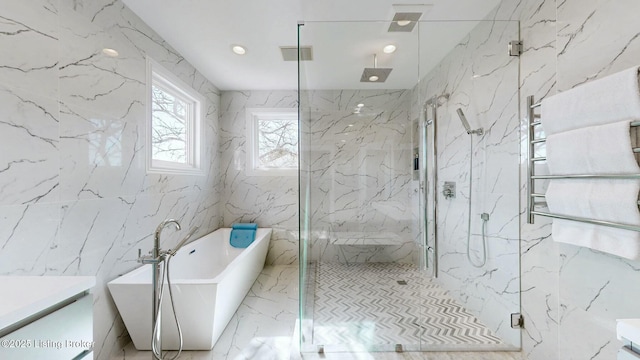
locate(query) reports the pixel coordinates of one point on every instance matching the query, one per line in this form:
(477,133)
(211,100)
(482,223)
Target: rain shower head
(404,21)
(375,74)
(466,125)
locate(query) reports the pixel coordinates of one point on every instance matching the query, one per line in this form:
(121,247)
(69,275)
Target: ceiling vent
(290,53)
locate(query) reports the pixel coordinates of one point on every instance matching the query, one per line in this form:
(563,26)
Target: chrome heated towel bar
(533,122)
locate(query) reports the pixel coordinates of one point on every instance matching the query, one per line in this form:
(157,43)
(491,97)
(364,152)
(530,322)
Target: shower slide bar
(532,177)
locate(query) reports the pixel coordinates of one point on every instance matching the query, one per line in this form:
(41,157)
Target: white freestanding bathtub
(209,279)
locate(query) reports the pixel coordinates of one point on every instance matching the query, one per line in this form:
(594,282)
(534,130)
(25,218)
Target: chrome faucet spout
(160,227)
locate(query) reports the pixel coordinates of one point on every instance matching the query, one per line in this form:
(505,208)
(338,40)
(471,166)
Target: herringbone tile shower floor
(366,304)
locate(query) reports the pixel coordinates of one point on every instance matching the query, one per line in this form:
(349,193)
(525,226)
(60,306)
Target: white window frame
(163,78)
(253,115)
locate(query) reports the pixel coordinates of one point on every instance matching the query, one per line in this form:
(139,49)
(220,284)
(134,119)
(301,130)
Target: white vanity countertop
(628,329)
(23,296)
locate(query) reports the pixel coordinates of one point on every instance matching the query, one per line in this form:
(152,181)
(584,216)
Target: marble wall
(360,162)
(571,296)
(269,201)
(369,152)
(75,198)
(481,79)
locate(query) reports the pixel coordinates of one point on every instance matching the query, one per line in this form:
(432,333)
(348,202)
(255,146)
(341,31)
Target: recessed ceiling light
(350,125)
(239,50)
(373,78)
(389,49)
(110,52)
(403,22)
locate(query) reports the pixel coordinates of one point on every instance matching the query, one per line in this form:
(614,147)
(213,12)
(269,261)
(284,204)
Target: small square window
(174,123)
(272,142)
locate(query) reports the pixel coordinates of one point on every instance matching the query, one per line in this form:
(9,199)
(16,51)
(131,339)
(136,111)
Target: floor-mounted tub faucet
(157,256)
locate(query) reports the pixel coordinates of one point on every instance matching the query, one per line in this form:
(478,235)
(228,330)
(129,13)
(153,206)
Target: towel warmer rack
(532,122)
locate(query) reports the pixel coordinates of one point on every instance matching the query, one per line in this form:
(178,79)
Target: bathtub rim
(261,234)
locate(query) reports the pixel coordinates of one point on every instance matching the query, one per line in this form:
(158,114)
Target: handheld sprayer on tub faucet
(157,256)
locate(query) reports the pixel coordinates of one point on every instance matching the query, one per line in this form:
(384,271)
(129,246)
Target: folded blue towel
(242,238)
(245,226)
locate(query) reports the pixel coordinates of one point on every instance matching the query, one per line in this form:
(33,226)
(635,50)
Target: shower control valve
(449,190)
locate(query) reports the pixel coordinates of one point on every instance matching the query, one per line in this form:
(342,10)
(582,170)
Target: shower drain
(402,282)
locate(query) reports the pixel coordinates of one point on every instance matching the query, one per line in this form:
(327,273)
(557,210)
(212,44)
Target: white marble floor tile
(418,356)
(263,328)
(378,304)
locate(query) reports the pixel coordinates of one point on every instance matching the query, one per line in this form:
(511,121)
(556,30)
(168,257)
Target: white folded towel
(610,99)
(618,242)
(612,200)
(601,149)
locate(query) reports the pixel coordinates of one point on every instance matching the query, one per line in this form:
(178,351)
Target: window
(272,142)
(173,122)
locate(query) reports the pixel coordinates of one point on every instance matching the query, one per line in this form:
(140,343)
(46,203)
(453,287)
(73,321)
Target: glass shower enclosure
(388,256)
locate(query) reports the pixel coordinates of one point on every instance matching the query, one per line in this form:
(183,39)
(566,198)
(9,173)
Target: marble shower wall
(269,201)
(571,296)
(360,173)
(76,199)
(481,79)
(360,176)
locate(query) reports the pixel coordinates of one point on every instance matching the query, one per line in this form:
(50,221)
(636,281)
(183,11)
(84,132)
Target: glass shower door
(477,77)
(363,228)
(383,262)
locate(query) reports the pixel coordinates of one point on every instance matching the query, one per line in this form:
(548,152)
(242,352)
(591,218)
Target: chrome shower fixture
(404,21)
(463,118)
(437,100)
(406,16)
(375,74)
(465,123)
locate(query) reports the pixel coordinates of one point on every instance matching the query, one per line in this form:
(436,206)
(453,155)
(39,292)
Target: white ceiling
(344,35)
